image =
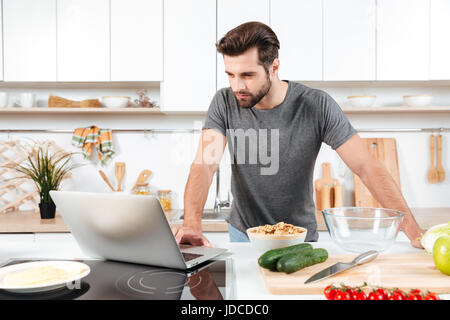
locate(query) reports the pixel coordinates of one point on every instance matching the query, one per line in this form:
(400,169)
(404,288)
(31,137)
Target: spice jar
(142,189)
(165,198)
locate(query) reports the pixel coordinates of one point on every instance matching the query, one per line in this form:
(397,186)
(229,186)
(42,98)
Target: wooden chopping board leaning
(385,150)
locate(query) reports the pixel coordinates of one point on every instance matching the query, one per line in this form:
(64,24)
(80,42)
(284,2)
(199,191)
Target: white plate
(81,269)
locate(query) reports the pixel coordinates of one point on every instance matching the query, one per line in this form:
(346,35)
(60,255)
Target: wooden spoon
(119,171)
(432,174)
(143,176)
(105,178)
(440,168)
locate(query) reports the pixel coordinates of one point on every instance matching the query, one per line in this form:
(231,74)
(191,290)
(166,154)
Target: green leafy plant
(45,169)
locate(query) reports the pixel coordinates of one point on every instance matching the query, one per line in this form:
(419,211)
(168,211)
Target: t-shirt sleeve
(335,128)
(215,117)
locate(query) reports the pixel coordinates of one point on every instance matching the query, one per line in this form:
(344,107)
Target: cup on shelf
(4,99)
(26,100)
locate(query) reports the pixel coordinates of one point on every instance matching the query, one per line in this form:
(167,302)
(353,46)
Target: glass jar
(142,189)
(165,198)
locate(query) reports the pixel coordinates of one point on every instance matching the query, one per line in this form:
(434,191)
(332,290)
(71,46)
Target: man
(272,178)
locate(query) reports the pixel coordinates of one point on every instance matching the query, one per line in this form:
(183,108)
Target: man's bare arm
(380,183)
(207,159)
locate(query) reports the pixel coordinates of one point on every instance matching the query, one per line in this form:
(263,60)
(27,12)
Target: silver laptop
(126,227)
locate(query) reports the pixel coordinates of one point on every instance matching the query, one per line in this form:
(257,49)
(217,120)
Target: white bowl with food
(418,100)
(268,237)
(363,101)
(115,101)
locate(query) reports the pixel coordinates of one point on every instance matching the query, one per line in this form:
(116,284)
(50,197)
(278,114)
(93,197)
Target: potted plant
(46,170)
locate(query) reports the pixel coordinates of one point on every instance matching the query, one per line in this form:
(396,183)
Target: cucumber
(295,261)
(269,259)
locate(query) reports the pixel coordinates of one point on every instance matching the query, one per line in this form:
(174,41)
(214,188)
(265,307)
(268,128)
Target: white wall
(170,155)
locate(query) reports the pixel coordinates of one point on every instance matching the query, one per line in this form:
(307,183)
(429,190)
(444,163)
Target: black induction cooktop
(112,280)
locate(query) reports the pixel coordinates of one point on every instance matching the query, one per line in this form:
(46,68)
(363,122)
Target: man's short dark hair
(249,35)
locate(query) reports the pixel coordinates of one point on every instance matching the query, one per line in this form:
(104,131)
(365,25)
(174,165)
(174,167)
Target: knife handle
(365,257)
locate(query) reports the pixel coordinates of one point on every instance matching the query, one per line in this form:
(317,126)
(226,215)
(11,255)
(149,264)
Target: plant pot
(47,210)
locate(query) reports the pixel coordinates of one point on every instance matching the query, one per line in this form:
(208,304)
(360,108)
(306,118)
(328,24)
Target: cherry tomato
(414,291)
(431,296)
(353,293)
(360,295)
(383,294)
(414,297)
(397,295)
(342,295)
(374,295)
(329,292)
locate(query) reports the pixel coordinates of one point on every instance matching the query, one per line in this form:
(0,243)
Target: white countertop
(249,283)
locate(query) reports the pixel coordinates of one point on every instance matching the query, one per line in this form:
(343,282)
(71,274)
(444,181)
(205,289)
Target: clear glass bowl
(359,229)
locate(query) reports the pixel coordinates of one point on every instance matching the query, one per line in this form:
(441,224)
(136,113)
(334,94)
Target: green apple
(441,254)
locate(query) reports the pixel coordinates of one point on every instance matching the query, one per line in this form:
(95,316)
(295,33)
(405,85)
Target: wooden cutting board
(404,271)
(385,150)
(324,188)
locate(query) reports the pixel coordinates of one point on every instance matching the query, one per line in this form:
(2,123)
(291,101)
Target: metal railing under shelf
(150,131)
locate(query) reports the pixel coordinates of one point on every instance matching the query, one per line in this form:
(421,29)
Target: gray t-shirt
(273,153)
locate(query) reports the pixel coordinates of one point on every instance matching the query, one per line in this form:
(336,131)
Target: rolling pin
(338,196)
(325,195)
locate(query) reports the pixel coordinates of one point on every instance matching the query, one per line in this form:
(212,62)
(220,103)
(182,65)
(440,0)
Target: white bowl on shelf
(418,100)
(115,101)
(363,101)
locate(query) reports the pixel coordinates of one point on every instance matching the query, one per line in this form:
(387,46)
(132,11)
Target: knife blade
(342,266)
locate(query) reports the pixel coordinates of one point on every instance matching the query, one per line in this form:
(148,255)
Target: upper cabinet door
(439,40)
(137,40)
(83,40)
(403,39)
(298,26)
(230,14)
(1,44)
(349,40)
(29,40)
(189,54)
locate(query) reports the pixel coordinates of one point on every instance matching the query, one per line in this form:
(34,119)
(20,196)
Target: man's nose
(239,84)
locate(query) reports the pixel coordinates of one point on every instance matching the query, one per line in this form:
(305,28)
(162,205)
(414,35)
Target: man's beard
(254,98)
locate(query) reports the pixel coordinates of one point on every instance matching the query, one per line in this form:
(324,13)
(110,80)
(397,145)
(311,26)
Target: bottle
(142,189)
(165,198)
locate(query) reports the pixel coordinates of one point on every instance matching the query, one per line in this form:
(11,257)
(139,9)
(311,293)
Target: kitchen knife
(342,266)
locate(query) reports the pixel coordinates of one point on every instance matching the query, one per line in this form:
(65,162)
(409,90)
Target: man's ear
(275,65)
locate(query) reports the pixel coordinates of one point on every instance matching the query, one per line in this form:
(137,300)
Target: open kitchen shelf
(46,110)
(397,109)
(157,111)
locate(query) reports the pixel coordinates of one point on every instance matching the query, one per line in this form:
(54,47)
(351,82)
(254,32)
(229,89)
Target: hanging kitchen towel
(86,138)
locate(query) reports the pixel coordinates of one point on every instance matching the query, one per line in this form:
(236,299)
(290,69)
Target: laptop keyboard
(190,256)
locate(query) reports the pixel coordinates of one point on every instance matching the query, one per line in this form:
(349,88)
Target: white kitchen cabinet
(137,40)
(439,40)
(349,40)
(298,26)
(230,14)
(29,40)
(1,43)
(83,47)
(189,54)
(403,39)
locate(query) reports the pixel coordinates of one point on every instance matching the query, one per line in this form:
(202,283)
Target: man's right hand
(189,235)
